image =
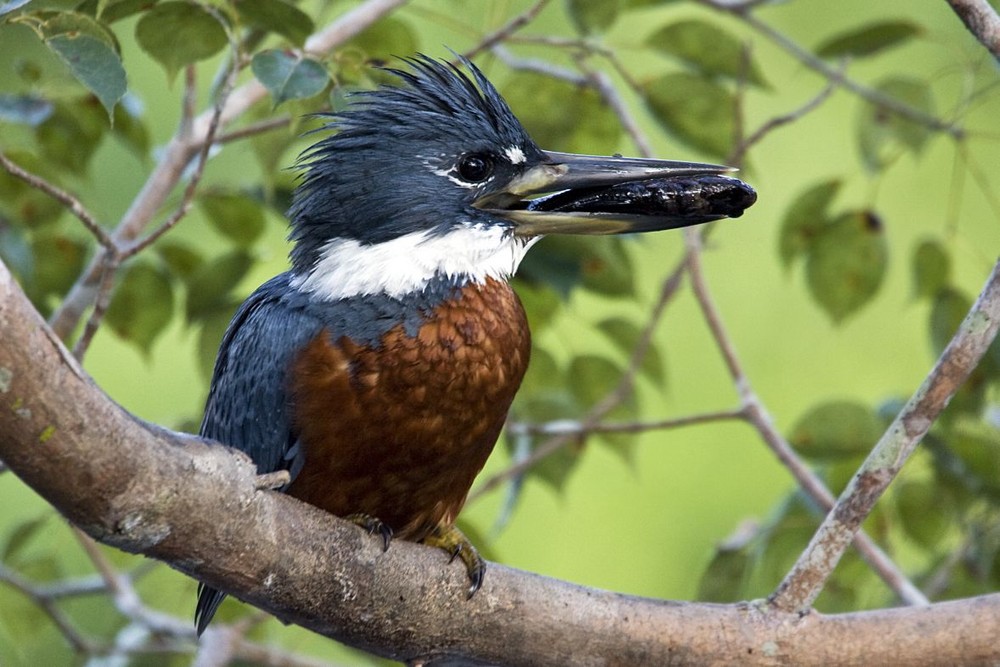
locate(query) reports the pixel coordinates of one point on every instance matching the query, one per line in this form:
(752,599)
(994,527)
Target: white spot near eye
(515,155)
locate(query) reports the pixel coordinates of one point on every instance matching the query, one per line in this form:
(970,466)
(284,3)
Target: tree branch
(982,21)
(74,205)
(508,29)
(757,415)
(143,489)
(805,581)
(741,10)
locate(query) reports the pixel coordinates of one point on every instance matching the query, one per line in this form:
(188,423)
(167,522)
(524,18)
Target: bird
(379,369)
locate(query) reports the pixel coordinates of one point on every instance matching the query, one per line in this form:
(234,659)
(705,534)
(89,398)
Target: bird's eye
(475,168)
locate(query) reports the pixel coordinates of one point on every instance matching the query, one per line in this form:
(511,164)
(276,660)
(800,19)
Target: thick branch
(146,490)
(982,21)
(805,581)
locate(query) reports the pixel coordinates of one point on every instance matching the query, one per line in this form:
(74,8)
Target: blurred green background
(643,517)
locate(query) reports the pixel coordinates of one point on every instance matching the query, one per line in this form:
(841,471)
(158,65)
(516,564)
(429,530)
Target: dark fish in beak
(684,200)
(616,195)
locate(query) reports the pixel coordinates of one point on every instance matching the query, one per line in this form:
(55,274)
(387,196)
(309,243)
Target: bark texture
(195,506)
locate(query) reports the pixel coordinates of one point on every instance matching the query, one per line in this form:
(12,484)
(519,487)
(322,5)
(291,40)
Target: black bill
(615,195)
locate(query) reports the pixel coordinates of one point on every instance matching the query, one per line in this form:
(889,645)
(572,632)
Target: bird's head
(433,180)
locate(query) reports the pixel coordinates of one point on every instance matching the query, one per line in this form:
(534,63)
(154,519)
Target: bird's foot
(452,540)
(272,481)
(372,525)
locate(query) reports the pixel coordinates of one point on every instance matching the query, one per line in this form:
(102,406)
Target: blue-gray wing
(248,403)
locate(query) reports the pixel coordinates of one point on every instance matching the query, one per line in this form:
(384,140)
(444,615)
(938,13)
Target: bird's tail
(209,600)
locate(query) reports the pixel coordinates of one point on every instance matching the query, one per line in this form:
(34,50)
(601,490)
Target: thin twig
(609,93)
(189,99)
(187,199)
(758,135)
(125,597)
(508,29)
(253,129)
(982,21)
(572,427)
(538,66)
(46,603)
(741,11)
(806,579)
(104,289)
(74,205)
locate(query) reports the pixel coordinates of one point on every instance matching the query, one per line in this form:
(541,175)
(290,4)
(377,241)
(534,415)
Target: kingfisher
(379,369)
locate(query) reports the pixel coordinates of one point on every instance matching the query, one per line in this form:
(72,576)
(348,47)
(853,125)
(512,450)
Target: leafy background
(870,238)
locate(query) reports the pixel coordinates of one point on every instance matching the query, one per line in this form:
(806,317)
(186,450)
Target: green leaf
(130,128)
(95,64)
(142,306)
(209,286)
(846,264)
(607,268)
(836,430)
(277,16)
(926,511)
(625,335)
(24,109)
(21,536)
(234,215)
(882,133)
(931,268)
(541,303)
(179,33)
(71,134)
(592,127)
(724,578)
(109,11)
(288,76)
(384,39)
(868,40)
(48,24)
(805,220)
(591,378)
(947,312)
(565,262)
(697,111)
(591,17)
(15,252)
(977,447)
(58,260)
(785,538)
(23,205)
(182,260)
(555,469)
(708,48)
(543,376)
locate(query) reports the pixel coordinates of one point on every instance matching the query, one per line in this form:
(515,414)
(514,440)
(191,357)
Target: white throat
(347,268)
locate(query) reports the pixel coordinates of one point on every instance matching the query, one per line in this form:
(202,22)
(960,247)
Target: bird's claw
(372,525)
(271,481)
(457,545)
